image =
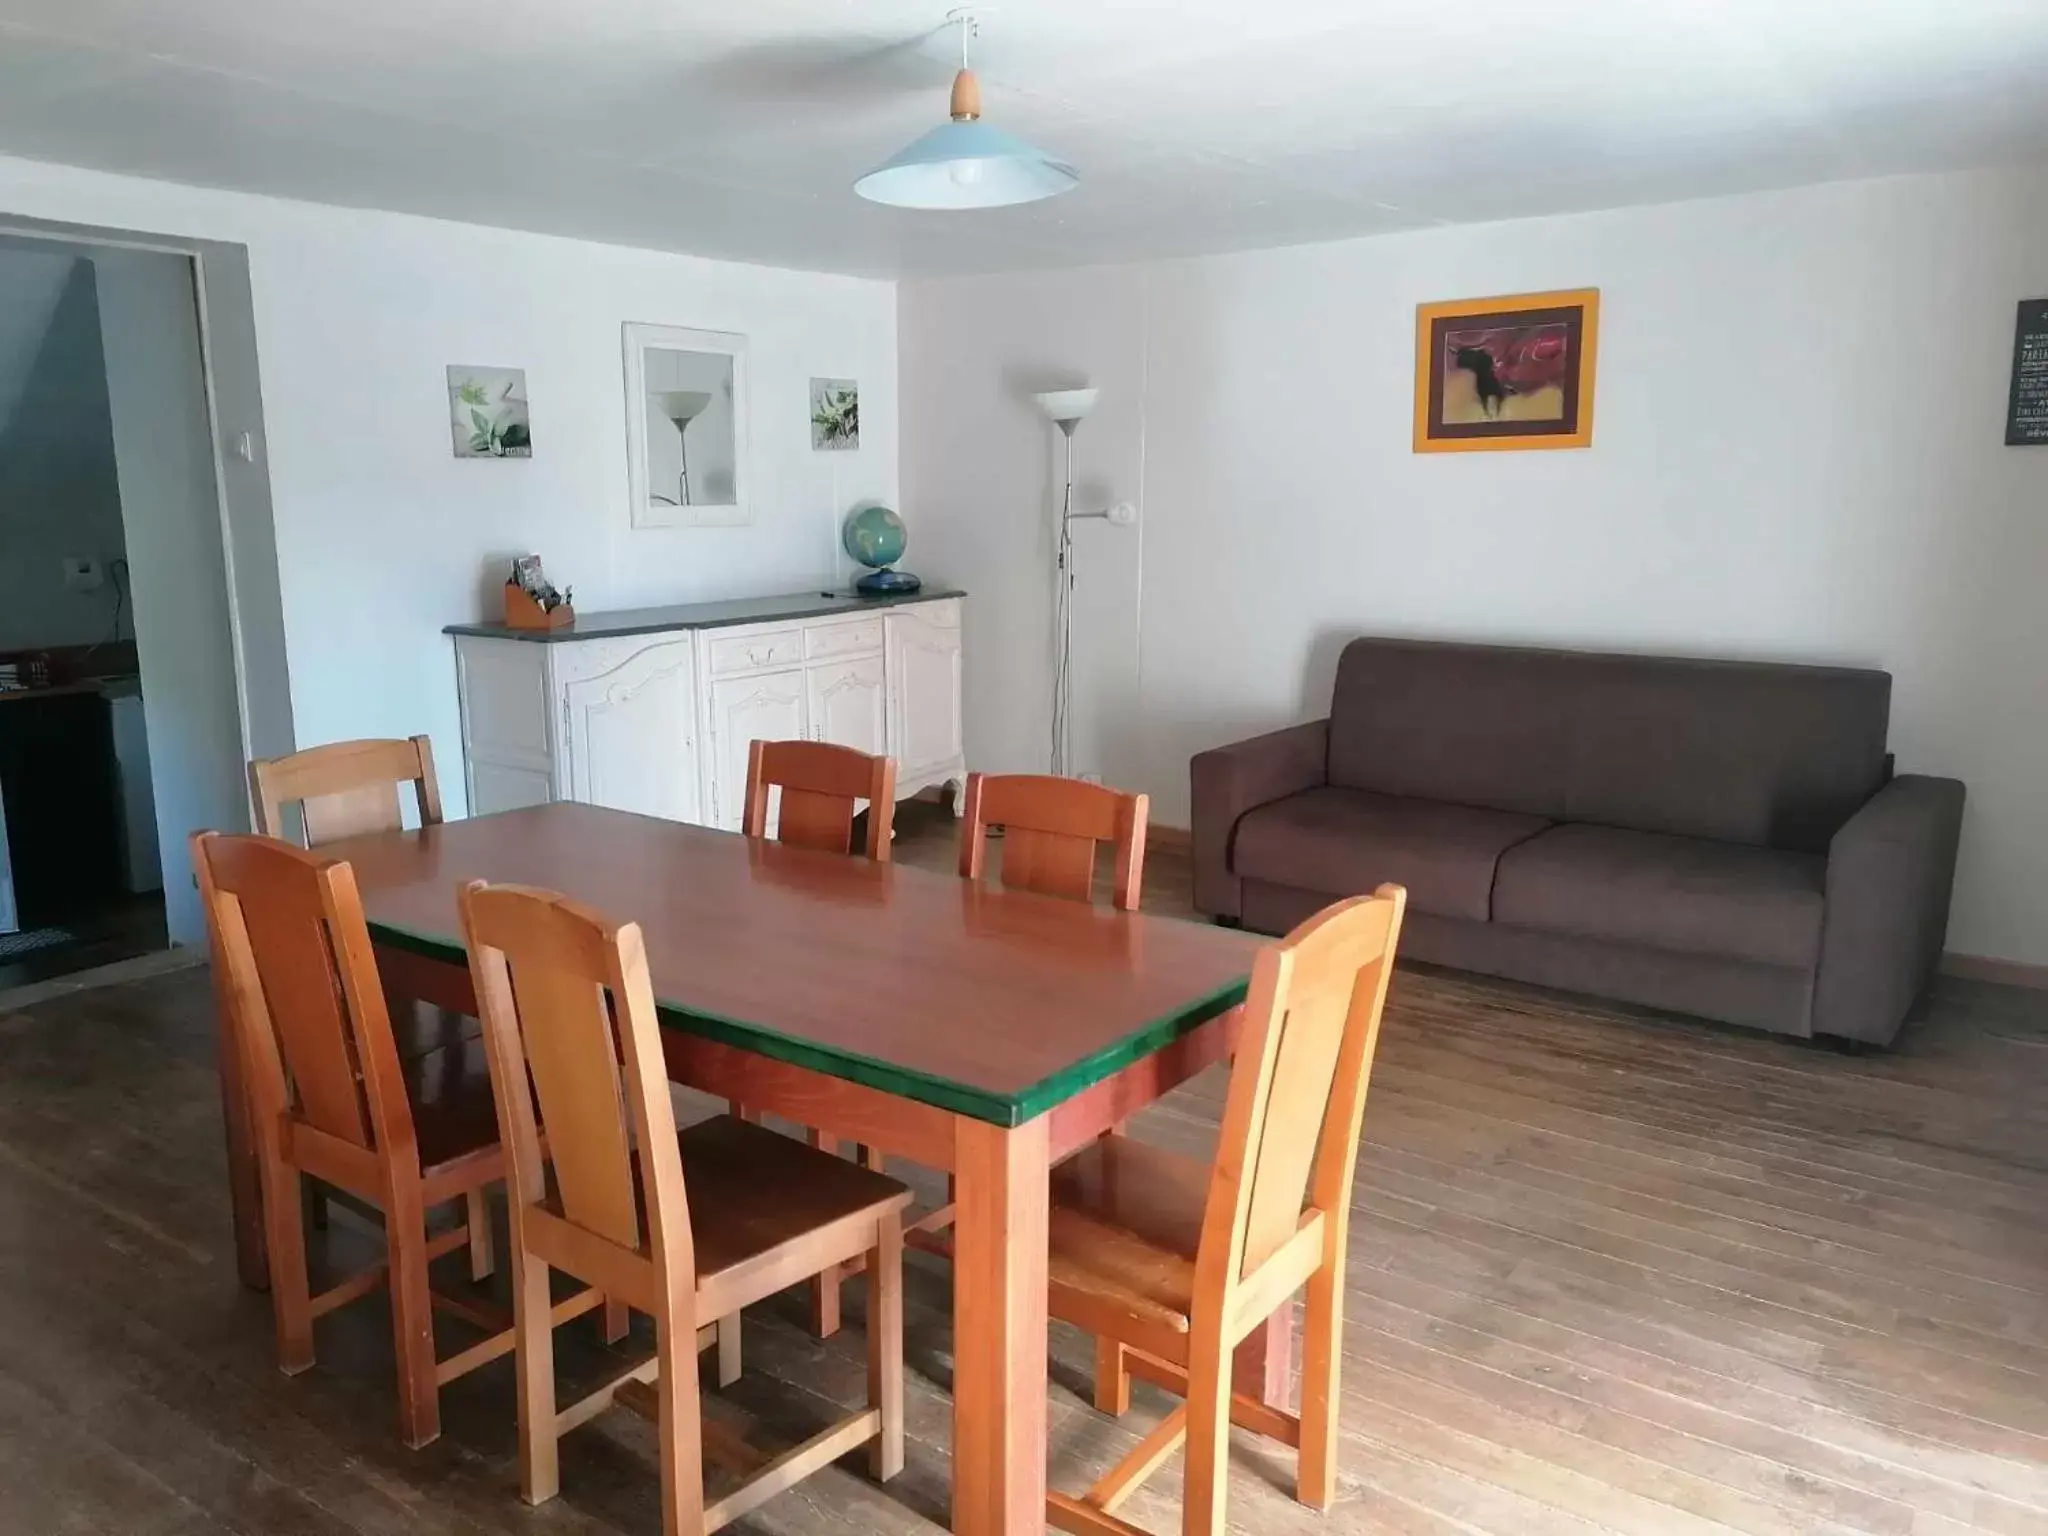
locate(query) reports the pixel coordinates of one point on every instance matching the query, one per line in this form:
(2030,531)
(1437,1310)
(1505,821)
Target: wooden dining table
(972,1030)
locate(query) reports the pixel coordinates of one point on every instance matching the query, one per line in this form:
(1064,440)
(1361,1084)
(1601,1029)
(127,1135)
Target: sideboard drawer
(864,636)
(756,651)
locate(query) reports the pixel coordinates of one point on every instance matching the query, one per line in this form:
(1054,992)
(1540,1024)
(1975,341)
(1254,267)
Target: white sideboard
(652,710)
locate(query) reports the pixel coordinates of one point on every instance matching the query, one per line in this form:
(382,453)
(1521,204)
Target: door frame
(224,313)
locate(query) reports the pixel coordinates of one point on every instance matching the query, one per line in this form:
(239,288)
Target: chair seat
(1126,1220)
(453,1113)
(752,1190)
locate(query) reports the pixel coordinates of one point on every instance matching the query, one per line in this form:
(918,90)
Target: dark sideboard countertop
(719,615)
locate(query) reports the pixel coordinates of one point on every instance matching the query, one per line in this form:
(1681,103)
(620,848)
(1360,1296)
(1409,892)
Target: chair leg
(729,1350)
(481,1258)
(313,1195)
(885,1346)
(825,1287)
(680,1429)
(615,1318)
(540,1477)
(291,1293)
(412,1318)
(1112,1378)
(1322,1345)
(1208,1445)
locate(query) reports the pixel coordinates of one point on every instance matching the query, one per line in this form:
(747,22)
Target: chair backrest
(568,1016)
(1050,829)
(820,784)
(306,1008)
(1291,1117)
(345,789)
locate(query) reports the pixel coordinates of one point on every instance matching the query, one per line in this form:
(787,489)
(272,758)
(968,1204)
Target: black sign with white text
(2026,412)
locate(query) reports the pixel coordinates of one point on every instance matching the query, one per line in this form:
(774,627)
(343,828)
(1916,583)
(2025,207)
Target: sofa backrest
(1748,752)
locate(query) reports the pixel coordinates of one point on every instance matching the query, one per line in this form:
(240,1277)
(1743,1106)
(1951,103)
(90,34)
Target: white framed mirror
(686,427)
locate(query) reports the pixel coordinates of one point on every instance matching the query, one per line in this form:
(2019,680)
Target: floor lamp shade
(1066,407)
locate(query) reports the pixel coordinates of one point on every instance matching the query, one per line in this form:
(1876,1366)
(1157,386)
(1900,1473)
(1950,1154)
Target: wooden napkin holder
(522,612)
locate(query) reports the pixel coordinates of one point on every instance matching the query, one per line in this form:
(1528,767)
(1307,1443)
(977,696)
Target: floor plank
(1611,1272)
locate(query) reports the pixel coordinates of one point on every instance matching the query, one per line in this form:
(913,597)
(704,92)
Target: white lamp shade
(681,405)
(1067,405)
(967,164)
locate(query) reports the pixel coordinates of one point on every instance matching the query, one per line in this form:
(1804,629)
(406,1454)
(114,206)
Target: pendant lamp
(965,163)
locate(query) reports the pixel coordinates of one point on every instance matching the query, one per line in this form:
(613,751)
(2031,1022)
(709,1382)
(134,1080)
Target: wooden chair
(821,785)
(1050,830)
(330,1098)
(345,789)
(681,1228)
(1171,1263)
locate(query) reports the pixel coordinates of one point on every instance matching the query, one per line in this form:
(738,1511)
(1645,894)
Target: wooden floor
(1610,1273)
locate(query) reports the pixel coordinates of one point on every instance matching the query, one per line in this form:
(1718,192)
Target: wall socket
(83,573)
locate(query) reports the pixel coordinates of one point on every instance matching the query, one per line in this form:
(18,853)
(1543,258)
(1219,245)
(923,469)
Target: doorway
(125,704)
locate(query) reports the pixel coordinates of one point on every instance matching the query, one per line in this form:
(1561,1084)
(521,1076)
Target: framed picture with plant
(487,413)
(835,414)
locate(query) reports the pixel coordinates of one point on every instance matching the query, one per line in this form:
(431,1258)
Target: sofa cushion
(1763,753)
(1344,842)
(1741,752)
(1679,893)
(1472,724)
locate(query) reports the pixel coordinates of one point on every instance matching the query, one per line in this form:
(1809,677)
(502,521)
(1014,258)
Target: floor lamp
(1065,408)
(683,406)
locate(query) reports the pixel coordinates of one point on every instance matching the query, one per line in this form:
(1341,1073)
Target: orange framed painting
(1509,372)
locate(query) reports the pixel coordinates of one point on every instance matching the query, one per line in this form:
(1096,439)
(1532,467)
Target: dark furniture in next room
(61,800)
(1717,838)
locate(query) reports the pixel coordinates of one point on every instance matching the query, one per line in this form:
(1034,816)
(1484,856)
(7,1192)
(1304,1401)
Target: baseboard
(1172,839)
(2012,973)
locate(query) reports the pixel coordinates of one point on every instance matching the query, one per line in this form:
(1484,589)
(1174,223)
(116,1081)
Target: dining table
(976,1031)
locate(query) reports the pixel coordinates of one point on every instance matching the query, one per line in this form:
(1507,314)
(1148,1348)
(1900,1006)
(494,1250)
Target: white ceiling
(736,128)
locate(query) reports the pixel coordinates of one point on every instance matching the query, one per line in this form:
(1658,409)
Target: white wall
(58,494)
(1797,454)
(170,504)
(383,536)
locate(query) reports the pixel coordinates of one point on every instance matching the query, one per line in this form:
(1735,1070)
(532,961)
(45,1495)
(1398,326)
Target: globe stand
(887,583)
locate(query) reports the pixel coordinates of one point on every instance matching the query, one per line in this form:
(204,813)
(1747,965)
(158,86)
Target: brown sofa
(1713,837)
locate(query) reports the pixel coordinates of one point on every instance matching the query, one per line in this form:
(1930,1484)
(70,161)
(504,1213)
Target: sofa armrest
(1229,781)
(1890,871)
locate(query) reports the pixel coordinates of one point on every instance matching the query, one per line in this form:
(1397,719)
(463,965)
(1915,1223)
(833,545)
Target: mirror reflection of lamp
(682,406)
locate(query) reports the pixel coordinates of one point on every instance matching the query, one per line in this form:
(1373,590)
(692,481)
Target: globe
(874,536)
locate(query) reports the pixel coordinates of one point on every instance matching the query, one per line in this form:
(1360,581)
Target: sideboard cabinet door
(848,704)
(629,709)
(924,681)
(508,758)
(768,706)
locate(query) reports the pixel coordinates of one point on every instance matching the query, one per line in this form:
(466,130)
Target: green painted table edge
(903,1082)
